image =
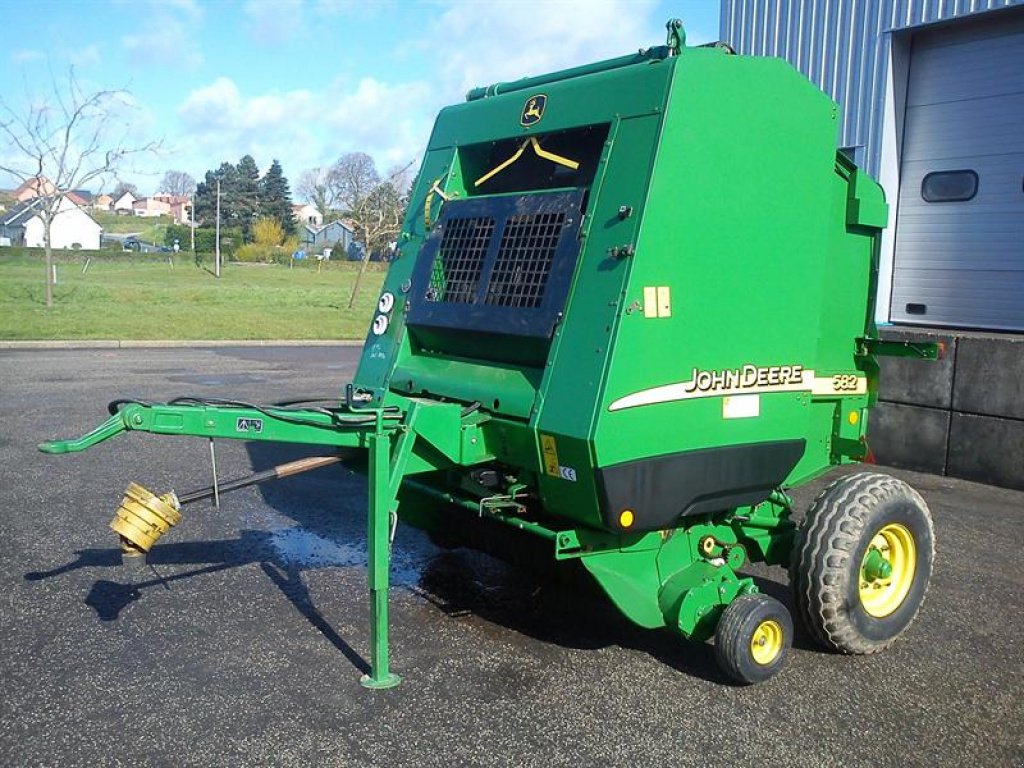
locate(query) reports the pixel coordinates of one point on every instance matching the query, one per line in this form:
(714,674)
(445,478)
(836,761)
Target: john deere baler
(631,305)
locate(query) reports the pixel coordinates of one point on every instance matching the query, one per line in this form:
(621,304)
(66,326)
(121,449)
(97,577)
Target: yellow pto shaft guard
(144,517)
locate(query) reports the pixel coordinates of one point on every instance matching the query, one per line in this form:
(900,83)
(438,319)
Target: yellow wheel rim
(766,642)
(887,570)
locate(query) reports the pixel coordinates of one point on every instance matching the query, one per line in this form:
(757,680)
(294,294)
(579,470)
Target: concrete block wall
(961,416)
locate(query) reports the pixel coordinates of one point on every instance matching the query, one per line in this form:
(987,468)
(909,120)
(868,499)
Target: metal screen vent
(455,275)
(524,259)
(498,264)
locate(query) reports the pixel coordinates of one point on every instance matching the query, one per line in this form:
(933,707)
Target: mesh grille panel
(524,260)
(455,275)
(499,264)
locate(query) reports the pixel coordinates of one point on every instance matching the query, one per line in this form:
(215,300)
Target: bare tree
(64,142)
(374,205)
(122,187)
(177,183)
(318,187)
(401,178)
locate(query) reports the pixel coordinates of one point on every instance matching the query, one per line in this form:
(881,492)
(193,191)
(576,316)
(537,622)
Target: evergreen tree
(275,198)
(206,196)
(246,195)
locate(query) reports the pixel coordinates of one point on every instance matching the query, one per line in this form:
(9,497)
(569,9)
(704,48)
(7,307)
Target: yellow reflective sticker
(650,301)
(664,301)
(550,452)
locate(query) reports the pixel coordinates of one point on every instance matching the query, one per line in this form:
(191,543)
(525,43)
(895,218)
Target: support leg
(379,561)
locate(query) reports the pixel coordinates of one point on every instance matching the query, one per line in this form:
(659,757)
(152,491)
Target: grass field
(151,230)
(119,298)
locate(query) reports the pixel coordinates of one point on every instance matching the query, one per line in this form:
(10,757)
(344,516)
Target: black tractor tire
(829,562)
(753,638)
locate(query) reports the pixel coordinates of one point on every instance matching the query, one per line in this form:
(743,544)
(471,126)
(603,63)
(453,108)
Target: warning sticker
(248,425)
(550,453)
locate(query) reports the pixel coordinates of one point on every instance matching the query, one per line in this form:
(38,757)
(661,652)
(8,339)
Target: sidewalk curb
(136,344)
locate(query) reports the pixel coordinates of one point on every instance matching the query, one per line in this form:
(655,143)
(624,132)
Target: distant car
(130,244)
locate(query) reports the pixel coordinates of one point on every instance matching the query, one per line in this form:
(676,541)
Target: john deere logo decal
(748,379)
(533,110)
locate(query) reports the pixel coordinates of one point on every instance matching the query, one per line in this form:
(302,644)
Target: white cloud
(390,122)
(472,44)
(503,40)
(222,123)
(189,8)
(304,129)
(360,8)
(89,56)
(25,56)
(166,38)
(274,21)
(221,106)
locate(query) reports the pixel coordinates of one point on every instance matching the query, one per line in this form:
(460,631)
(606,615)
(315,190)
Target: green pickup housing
(630,305)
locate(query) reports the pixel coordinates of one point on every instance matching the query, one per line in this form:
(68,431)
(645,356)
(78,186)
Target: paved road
(243,641)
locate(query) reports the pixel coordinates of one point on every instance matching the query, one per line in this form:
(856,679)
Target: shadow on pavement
(328,507)
(560,607)
(109,598)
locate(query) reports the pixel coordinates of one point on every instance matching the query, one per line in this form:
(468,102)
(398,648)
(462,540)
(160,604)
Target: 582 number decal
(844,382)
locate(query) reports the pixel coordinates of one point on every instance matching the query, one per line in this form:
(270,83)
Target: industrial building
(931,101)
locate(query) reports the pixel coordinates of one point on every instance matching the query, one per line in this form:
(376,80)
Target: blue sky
(305,81)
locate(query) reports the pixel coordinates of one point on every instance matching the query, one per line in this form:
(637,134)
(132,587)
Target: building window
(949,186)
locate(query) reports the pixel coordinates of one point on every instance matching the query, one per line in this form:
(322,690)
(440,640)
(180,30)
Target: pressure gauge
(387,302)
(380,324)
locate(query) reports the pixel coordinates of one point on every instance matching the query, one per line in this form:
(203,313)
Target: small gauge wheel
(753,638)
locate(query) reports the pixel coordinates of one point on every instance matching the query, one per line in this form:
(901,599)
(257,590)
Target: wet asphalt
(243,639)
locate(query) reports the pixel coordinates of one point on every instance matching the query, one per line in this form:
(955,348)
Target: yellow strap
(552,156)
(499,168)
(435,189)
(542,153)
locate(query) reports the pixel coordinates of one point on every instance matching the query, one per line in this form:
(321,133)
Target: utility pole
(216,266)
(192,221)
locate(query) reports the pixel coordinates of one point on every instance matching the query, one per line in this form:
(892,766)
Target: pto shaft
(144,517)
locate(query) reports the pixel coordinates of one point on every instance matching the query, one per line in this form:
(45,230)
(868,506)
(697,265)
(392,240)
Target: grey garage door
(960,221)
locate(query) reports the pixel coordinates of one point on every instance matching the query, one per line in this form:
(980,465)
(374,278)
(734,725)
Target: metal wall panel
(962,263)
(968,270)
(842,46)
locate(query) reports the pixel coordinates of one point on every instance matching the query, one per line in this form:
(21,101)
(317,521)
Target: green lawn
(131,298)
(149,229)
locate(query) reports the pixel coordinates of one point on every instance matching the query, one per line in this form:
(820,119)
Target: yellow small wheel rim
(887,570)
(766,642)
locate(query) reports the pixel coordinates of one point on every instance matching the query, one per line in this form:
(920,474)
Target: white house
(151,206)
(307,214)
(124,203)
(71,227)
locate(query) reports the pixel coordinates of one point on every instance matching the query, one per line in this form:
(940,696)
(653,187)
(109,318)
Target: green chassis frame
(680,578)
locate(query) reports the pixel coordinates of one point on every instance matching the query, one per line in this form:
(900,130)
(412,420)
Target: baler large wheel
(861,562)
(753,637)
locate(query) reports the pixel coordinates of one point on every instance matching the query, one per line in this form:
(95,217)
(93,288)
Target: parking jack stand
(379,560)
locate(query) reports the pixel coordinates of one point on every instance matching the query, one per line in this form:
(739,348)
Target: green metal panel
(736,224)
(588,100)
